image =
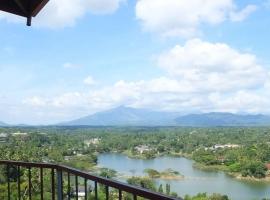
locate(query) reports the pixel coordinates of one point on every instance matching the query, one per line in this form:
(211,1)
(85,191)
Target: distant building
(142,148)
(19,134)
(220,146)
(93,141)
(3,137)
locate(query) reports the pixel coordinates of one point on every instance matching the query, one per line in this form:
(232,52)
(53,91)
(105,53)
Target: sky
(84,56)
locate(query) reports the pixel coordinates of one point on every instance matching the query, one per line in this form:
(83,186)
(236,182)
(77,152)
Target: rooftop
(24,8)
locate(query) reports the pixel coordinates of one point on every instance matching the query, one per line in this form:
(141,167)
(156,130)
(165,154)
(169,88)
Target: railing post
(59,185)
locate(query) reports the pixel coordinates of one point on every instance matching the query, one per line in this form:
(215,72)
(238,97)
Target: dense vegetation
(79,146)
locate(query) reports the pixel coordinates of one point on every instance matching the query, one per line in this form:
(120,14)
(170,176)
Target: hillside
(125,116)
(223,119)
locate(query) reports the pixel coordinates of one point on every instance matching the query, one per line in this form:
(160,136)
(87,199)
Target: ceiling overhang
(24,8)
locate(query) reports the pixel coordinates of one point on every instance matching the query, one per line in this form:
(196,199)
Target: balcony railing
(49,181)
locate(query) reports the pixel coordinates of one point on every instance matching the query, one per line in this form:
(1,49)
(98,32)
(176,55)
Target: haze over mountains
(3,124)
(125,116)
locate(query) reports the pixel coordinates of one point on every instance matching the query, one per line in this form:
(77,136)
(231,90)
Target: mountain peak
(128,116)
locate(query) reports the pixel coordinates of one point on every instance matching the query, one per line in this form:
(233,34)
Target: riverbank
(131,155)
(224,169)
(248,178)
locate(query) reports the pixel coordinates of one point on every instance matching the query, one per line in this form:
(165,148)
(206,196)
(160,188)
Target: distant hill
(125,116)
(223,119)
(3,124)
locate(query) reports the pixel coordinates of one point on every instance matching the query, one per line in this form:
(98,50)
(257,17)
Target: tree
(152,173)
(168,189)
(160,189)
(107,173)
(142,182)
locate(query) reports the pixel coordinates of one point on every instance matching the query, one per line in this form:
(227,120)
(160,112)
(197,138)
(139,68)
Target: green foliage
(143,182)
(152,173)
(254,169)
(107,173)
(160,189)
(168,189)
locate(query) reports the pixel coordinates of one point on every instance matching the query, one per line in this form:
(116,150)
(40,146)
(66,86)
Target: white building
(93,141)
(142,148)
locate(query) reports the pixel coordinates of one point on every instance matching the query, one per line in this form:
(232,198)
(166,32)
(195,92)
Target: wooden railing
(68,183)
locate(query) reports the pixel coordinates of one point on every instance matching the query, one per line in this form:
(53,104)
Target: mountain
(222,119)
(3,124)
(126,116)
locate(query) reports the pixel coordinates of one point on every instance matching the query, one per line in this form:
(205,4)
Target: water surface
(195,180)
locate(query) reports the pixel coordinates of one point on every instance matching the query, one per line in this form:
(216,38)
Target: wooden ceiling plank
(21,6)
(25,8)
(39,7)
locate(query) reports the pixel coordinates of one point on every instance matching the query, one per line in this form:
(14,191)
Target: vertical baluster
(19,182)
(62,184)
(85,188)
(29,183)
(41,183)
(96,190)
(68,191)
(77,189)
(120,195)
(107,192)
(59,184)
(8,181)
(53,184)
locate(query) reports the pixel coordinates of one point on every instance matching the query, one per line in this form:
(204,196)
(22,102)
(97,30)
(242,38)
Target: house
(19,134)
(3,137)
(142,148)
(221,146)
(93,141)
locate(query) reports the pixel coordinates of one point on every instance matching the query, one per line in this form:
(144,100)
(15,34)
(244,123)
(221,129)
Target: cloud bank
(199,76)
(184,18)
(65,13)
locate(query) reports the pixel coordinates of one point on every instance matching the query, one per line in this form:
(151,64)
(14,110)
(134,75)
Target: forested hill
(125,116)
(223,119)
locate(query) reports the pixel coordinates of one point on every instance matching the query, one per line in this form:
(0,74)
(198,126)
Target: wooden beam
(39,7)
(21,6)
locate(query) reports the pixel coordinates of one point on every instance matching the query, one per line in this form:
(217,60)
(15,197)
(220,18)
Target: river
(195,180)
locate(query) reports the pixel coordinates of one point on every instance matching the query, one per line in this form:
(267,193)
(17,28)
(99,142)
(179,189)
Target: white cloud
(183,18)
(243,14)
(208,66)
(89,81)
(65,13)
(199,77)
(35,101)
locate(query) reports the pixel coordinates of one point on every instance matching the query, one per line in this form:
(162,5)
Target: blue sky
(84,56)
